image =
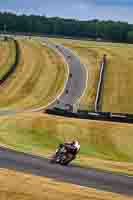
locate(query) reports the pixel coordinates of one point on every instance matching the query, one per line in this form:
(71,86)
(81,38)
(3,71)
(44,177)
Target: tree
(108,30)
(130,36)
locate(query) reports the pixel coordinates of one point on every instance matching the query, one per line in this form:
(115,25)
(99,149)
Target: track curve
(36,165)
(77,80)
(74,86)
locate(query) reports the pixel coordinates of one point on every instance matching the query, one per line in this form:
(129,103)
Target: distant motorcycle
(62,156)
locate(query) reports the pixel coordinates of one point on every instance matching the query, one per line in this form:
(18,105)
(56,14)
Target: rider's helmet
(76,144)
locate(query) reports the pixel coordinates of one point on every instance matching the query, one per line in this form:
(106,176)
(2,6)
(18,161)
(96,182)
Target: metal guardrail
(100,84)
(100,116)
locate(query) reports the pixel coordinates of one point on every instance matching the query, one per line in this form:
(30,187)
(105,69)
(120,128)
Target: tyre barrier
(100,116)
(13,66)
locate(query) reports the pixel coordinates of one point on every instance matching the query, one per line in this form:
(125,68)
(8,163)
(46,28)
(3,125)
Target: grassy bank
(38,79)
(103,145)
(16,186)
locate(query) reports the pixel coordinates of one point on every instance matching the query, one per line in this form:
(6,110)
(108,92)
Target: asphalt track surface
(39,166)
(35,165)
(77,80)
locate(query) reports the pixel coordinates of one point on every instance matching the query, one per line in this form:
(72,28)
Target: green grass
(97,139)
(40,134)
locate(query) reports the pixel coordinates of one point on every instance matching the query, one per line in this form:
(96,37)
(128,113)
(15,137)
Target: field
(15,186)
(39,77)
(118,83)
(103,145)
(7,56)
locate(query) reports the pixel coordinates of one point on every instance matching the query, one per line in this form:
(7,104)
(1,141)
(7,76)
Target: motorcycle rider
(72,148)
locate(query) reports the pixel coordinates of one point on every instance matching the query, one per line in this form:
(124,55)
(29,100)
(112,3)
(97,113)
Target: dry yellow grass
(20,186)
(7,56)
(4,52)
(117,93)
(39,77)
(103,145)
(118,83)
(107,165)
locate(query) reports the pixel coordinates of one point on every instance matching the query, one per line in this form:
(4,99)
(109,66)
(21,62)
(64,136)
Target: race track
(78,77)
(74,87)
(98,179)
(102,180)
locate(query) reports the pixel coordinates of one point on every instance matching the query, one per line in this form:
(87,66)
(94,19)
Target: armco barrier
(101,116)
(13,66)
(100,83)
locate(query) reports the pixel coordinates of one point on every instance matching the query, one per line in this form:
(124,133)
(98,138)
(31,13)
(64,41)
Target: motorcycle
(62,156)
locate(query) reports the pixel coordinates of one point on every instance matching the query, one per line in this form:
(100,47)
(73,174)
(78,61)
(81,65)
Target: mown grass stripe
(13,65)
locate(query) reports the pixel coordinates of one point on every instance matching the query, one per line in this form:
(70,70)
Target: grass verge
(103,145)
(15,186)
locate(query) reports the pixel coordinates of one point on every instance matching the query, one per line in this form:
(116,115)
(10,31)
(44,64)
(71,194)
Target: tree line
(95,29)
